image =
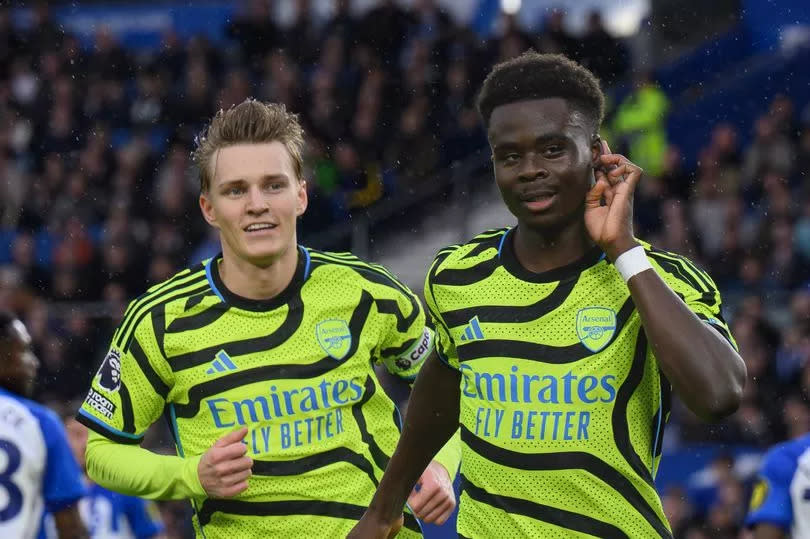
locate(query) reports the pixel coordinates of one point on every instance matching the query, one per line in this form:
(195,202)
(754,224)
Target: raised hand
(611,225)
(224,469)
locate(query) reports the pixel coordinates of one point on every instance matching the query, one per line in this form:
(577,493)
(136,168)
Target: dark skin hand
(544,156)
(69,524)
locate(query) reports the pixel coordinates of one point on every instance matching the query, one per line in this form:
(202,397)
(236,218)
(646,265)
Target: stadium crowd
(97,196)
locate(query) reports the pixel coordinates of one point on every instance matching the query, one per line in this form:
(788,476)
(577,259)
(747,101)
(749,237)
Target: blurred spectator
(640,125)
(600,52)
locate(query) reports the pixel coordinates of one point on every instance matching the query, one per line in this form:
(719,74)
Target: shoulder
(780,461)
(484,246)
(188,282)
(348,267)
(678,266)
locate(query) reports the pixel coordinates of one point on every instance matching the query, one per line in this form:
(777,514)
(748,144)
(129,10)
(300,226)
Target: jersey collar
(510,262)
(258,305)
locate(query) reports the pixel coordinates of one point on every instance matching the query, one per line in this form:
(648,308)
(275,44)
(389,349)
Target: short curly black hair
(537,76)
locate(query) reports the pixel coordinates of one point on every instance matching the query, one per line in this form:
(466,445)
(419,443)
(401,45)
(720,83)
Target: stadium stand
(97,197)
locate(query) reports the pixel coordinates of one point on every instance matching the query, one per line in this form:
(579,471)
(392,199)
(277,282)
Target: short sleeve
(129,391)
(445,347)
(694,286)
(406,341)
(62,484)
(770,498)
(143,517)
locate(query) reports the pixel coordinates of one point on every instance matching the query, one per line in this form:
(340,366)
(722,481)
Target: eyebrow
(548,137)
(266,177)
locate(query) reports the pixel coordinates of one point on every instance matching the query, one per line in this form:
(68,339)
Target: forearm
(431,420)
(449,455)
(703,368)
(134,471)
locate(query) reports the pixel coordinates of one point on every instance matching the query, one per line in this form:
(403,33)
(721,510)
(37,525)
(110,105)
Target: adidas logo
(221,363)
(472,331)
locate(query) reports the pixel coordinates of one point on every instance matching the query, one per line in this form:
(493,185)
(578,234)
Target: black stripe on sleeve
(553,515)
(126,409)
(155,380)
(97,428)
(139,308)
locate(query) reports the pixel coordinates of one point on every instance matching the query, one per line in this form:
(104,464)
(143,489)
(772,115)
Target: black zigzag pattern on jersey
(198,320)
(313,462)
(486,240)
(441,256)
(545,353)
(708,296)
(513,313)
(195,300)
(126,409)
(398,350)
(466,276)
(158,327)
(379,275)
(272,372)
(379,456)
(265,343)
(157,383)
(662,415)
(700,273)
(182,284)
(553,515)
(318,508)
(568,460)
(621,430)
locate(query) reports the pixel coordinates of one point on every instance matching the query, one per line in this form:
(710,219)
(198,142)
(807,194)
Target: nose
(532,166)
(256,202)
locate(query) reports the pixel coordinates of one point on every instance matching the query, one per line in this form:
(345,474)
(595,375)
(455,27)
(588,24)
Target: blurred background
(100,103)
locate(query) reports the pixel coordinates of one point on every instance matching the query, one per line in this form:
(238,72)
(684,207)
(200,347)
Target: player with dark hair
(262,360)
(38,474)
(560,339)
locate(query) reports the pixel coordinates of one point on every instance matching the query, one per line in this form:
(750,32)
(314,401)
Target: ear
(301,198)
(207,208)
(596,149)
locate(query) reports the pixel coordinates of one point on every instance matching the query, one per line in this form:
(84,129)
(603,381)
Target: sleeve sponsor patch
(109,374)
(100,403)
(417,353)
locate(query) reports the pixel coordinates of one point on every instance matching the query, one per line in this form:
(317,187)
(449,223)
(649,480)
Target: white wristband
(632,262)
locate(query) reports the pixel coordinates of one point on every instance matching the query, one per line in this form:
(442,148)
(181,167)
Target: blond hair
(249,122)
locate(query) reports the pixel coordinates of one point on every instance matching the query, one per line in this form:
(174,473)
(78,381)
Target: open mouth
(256,228)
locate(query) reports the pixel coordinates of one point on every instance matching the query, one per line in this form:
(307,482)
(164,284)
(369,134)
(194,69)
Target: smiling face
(543,153)
(254,200)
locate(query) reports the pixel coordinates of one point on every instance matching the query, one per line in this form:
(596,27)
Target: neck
(544,250)
(250,281)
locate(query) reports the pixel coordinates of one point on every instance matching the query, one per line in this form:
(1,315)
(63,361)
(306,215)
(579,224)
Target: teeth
(260,226)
